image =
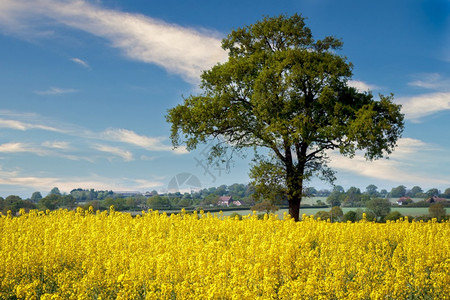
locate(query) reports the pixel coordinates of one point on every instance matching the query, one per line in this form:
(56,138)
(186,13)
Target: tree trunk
(295,192)
(294,180)
(294,207)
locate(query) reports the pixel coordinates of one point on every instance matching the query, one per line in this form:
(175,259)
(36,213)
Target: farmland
(90,255)
(405,211)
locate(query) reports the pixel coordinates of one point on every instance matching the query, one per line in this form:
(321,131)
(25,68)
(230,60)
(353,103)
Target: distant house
(227,201)
(404,201)
(436,199)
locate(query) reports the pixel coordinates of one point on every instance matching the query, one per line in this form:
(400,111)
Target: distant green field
(313,200)
(406,211)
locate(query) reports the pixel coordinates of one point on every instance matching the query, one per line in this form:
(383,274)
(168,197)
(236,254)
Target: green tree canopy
(447,193)
(285,91)
(323,215)
(379,207)
(397,192)
(310,192)
(14,204)
(372,190)
(265,206)
(69,201)
(383,193)
(432,192)
(51,201)
(436,210)
(353,197)
(350,216)
(55,191)
(158,202)
(336,197)
(393,215)
(415,191)
(36,196)
(336,214)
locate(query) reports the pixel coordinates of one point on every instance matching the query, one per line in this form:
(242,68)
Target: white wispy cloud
(397,168)
(56,145)
(80,62)
(131,137)
(55,91)
(19,147)
(46,183)
(19,125)
(92,144)
(410,146)
(180,50)
(14,147)
(361,85)
(8,173)
(416,108)
(124,154)
(434,81)
(52,151)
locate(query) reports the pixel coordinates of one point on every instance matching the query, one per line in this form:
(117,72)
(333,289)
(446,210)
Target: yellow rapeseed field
(111,255)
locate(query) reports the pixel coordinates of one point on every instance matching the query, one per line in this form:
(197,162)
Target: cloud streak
(361,85)
(91,146)
(15,178)
(80,62)
(409,153)
(423,105)
(179,50)
(124,154)
(14,148)
(57,145)
(433,81)
(114,135)
(132,138)
(417,107)
(19,125)
(54,91)
(49,149)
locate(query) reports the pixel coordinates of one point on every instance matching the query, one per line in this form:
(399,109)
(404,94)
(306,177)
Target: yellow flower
(80,255)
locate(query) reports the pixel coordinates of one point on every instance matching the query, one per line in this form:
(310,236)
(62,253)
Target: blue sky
(85,87)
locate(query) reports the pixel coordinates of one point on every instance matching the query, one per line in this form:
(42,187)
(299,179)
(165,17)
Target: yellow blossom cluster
(112,255)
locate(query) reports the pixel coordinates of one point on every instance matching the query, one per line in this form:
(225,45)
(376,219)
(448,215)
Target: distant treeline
(209,197)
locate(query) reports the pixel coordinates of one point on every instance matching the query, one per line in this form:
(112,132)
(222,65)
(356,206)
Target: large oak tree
(282,90)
